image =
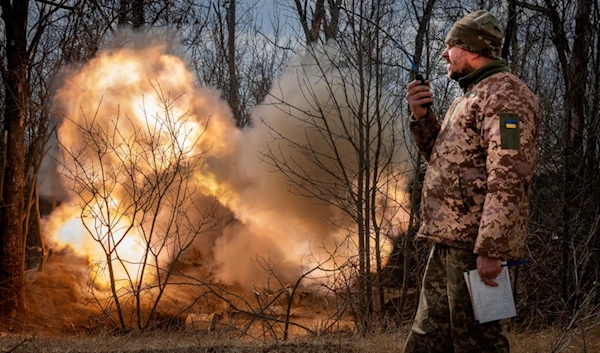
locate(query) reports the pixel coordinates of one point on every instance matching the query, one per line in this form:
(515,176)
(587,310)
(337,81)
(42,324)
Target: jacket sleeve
(424,132)
(510,133)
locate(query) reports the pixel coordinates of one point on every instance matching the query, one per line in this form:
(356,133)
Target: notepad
(491,303)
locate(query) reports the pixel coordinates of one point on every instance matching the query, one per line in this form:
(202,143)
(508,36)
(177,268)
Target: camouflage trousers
(444,321)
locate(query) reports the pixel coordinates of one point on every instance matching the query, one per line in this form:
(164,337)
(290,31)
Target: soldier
(476,189)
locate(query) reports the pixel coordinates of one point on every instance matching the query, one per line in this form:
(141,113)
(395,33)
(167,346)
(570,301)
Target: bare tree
(226,58)
(12,176)
(138,13)
(51,45)
(570,34)
(233,91)
(138,189)
(351,155)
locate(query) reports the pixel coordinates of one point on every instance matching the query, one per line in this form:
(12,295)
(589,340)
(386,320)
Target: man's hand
(488,269)
(418,94)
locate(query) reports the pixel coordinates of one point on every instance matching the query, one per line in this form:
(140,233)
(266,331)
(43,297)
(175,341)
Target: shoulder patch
(510,131)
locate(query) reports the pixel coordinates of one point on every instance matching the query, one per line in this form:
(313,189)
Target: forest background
(288,120)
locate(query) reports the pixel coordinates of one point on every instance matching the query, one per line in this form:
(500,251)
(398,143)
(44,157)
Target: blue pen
(515,263)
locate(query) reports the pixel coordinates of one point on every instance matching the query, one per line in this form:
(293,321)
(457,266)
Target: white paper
(491,303)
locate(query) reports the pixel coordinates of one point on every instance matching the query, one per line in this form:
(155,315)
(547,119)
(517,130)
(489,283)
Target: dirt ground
(186,341)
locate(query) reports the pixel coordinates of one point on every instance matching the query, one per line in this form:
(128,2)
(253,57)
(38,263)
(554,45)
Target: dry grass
(186,341)
(59,319)
(555,340)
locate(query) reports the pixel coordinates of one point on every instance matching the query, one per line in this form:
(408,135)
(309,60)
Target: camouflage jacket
(481,160)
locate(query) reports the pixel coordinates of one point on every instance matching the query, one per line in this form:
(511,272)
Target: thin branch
(18,345)
(47,2)
(533,7)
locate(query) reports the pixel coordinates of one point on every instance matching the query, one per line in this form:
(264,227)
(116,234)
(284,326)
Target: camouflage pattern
(475,192)
(444,320)
(478,32)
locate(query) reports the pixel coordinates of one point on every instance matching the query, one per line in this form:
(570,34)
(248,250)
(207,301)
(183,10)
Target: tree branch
(533,7)
(66,7)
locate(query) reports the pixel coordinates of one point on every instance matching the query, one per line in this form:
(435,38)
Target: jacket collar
(481,73)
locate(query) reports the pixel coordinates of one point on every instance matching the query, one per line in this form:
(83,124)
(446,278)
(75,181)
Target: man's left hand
(488,269)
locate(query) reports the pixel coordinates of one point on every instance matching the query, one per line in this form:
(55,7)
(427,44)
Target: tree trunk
(12,249)
(233,91)
(422,30)
(137,12)
(574,65)
(318,16)
(417,183)
(510,34)
(576,103)
(332,27)
(123,16)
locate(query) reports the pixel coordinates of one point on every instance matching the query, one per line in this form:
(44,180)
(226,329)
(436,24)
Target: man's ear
(477,60)
(472,57)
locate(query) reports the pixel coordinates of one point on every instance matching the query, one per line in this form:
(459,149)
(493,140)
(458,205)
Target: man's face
(457,62)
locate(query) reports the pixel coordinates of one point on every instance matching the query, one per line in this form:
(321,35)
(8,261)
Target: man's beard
(462,72)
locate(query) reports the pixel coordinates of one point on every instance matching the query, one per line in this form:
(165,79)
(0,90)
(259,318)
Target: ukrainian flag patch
(511,124)
(510,138)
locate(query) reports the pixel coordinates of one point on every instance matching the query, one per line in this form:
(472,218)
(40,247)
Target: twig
(18,345)
(66,7)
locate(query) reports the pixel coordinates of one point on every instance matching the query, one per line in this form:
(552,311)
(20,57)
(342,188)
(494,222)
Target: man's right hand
(489,268)
(418,94)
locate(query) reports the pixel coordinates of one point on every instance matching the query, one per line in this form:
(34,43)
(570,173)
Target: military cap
(478,32)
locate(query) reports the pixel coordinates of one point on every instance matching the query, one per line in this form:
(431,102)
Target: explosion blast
(156,170)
